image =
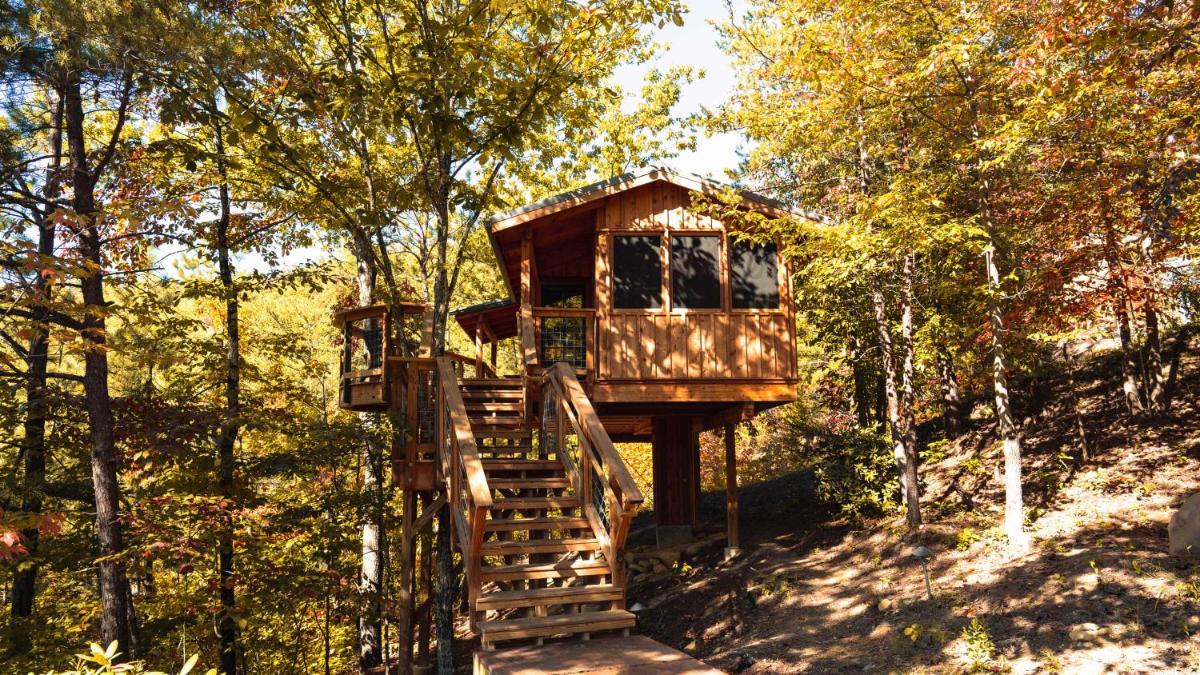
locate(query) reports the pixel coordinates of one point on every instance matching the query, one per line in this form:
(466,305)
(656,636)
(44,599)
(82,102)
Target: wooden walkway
(635,655)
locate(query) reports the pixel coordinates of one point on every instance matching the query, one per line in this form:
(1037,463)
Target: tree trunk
(370,629)
(861,400)
(893,404)
(1073,393)
(1156,391)
(908,418)
(1119,295)
(33,448)
(951,404)
(114,586)
(444,595)
(1014,517)
(227,434)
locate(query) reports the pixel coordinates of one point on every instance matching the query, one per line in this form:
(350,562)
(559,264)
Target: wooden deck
(635,655)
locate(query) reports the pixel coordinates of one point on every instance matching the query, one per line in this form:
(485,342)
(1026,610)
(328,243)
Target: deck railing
(461,474)
(607,492)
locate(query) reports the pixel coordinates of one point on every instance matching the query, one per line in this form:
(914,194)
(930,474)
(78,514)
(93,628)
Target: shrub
(100,662)
(980,647)
(855,472)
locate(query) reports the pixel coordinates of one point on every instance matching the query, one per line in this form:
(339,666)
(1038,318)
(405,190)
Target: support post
(478,349)
(732,541)
(676,462)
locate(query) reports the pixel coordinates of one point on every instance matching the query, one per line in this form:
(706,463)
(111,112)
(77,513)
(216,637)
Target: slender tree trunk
(370,629)
(881,398)
(227,434)
(444,595)
(912,496)
(893,404)
(115,608)
(33,448)
(1118,293)
(1076,408)
(861,400)
(951,404)
(1156,391)
(1014,502)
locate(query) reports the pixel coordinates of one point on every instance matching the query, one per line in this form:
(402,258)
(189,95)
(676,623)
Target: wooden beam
(731,415)
(733,541)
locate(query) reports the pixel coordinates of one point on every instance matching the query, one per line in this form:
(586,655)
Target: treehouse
(638,319)
(673,324)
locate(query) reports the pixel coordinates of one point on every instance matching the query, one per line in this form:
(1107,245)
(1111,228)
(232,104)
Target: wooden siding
(708,345)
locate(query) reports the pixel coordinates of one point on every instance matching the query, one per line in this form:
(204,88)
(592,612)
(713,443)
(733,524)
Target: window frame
(782,286)
(664,297)
(722,272)
(664,234)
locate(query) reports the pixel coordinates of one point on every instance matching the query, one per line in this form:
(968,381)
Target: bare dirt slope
(1097,593)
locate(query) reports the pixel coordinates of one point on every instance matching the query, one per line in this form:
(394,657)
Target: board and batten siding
(684,344)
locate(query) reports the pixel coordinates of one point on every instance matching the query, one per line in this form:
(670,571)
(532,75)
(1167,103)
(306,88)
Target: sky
(694,44)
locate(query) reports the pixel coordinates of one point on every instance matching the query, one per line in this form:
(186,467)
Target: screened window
(696,272)
(568,294)
(637,272)
(754,274)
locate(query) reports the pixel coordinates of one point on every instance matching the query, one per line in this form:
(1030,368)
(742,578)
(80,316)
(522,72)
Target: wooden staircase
(547,518)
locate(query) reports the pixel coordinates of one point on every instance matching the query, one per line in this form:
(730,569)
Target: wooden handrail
(459,459)
(564,377)
(462,438)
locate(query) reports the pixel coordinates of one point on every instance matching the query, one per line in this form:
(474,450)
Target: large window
(696,271)
(637,272)
(754,274)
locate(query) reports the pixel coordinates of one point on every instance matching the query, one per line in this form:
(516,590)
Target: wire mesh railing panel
(426,406)
(599,498)
(563,338)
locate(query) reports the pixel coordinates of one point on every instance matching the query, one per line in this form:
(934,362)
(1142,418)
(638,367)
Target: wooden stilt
(733,543)
(426,585)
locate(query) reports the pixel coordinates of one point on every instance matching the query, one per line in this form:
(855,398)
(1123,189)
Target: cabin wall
(684,344)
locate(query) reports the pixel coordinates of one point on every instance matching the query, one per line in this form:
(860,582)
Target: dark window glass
(637,272)
(696,272)
(754,272)
(567,294)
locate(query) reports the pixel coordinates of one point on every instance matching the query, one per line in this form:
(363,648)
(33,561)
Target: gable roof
(628,181)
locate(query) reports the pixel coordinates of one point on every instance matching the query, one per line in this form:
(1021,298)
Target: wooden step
(504,464)
(550,523)
(529,503)
(559,595)
(495,406)
(561,569)
(540,546)
(505,382)
(500,433)
(528,483)
(484,394)
(560,624)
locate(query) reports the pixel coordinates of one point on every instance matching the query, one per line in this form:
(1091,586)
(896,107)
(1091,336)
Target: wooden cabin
(674,324)
(638,319)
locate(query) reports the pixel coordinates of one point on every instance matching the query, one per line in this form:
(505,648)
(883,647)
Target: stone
(885,604)
(659,568)
(1184,528)
(744,661)
(1085,632)
(668,557)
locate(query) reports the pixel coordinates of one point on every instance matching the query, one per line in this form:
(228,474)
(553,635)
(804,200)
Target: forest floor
(1096,593)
